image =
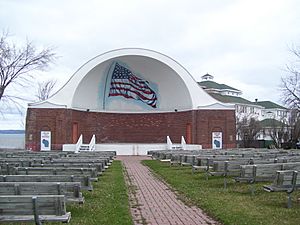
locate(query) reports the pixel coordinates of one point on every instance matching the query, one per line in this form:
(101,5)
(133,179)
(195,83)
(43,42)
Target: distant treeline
(12,131)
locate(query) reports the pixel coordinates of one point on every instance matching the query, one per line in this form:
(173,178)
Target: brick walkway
(152,202)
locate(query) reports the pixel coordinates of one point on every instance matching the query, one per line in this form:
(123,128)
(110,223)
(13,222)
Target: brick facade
(129,128)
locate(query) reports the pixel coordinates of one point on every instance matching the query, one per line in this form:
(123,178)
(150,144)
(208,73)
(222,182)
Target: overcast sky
(244,44)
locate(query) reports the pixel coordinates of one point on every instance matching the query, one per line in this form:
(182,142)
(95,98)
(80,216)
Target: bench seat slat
(22,208)
(84,180)
(71,190)
(26,218)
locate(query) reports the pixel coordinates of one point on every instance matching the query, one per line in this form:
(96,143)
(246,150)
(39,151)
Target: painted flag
(125,83)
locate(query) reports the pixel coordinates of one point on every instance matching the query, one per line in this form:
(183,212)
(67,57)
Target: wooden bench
(6,168)
(225,169)
(79,160)
(95,154)
(215,166)
(181,159)
(175,159)
(285,181)
(24,208)
(263,172)
(219,168)
(56,171)
(71,190)
(201,164)
(85,181)
(18,159)
(87,157)
(32,157)
(11,154)
(165,157)
(188,160)
(21,162)
(98,166)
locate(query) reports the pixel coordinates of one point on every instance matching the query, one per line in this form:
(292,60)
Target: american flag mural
(125,83)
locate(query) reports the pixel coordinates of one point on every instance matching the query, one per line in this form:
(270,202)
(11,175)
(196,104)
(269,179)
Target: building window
(243,109)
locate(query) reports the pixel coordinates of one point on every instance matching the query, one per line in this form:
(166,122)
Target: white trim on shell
(45,104)
(197,95)
(218,106)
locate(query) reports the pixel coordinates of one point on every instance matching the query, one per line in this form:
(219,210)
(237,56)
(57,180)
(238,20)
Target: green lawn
(107,203)
(235,205)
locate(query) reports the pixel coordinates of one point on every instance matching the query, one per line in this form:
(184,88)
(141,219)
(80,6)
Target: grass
(235,205)
(106,204)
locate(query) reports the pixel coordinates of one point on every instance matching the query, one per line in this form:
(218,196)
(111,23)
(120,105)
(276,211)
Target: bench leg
(289,203)
(35,211)
(225,183)
(252,189)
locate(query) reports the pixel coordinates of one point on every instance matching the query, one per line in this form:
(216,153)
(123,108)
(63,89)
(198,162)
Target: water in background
(12,141)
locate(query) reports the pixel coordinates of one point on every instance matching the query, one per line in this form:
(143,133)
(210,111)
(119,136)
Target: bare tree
(290,90)
(290,85)
(278,130)
(45,89)
(17,64)
(248,129)
(294,124)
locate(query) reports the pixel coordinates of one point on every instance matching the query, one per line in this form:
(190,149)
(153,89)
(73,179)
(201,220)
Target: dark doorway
(188,133)
(75,133)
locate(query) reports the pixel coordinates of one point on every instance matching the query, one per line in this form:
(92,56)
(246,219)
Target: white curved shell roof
(91,87)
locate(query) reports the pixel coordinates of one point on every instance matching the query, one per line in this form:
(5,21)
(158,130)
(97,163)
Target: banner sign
(45,140)
(216,140)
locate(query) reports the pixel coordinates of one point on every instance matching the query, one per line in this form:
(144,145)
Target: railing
(92,144)
(180,146)
(183,143)
(169,143)
(188,147)
(78,144)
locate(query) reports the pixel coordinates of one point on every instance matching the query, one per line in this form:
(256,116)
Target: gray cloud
(242,43)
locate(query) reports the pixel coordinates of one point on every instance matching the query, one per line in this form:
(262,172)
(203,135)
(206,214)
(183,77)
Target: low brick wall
(195,125)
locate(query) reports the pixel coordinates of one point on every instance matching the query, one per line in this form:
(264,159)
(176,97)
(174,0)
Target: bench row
(71,190)
(284,175)
(33,208)
(36,187)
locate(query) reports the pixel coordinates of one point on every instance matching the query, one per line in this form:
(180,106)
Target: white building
(269,113)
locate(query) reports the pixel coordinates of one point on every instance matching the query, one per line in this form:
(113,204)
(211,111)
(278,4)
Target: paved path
(152,202)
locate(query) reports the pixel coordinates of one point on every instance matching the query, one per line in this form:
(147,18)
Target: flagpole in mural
(109,73)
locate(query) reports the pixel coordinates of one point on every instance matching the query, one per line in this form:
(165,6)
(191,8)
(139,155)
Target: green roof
(269,105)
(214,85)
(230,99)
(271,123)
